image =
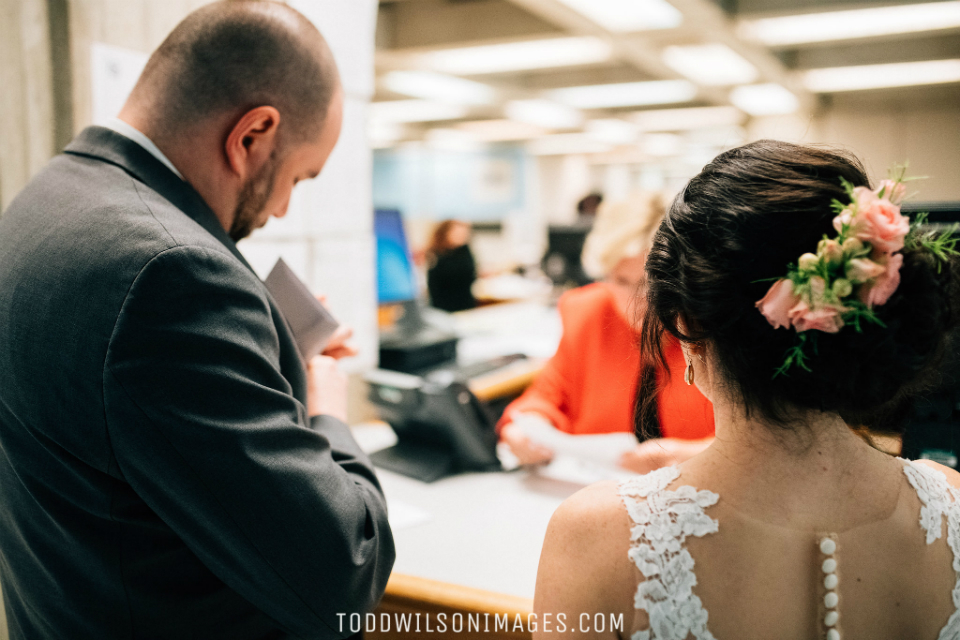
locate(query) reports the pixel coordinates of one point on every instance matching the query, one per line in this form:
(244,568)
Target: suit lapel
(108,145)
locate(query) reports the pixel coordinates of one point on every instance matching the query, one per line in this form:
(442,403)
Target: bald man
(168,466)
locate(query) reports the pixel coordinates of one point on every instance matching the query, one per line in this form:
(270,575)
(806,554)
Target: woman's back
(703,559)
(764,580)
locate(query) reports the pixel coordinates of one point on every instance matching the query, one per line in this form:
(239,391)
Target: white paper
(602,449)
(574,470)
(113,73)
(403,515)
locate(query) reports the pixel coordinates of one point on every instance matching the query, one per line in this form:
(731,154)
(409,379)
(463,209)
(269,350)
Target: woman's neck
(796,475)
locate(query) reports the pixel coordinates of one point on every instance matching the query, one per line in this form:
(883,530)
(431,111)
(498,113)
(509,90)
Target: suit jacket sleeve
(205,428)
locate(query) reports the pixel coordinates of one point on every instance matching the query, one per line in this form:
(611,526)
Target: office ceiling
(603,76)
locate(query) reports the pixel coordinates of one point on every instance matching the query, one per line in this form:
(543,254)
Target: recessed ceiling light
(687,119)
(436,86)
(764,99)
(518,56)
(858,23)
(879,76)
(621,16)
(626,94)
(415,111)
(710,64)
(543,113)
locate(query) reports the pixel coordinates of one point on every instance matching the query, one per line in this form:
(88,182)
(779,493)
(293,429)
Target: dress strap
(662,520)
(940,500)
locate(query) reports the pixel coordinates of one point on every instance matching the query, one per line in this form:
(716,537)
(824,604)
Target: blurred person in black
(452,269)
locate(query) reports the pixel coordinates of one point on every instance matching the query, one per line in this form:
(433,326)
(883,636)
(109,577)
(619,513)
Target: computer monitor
(411,343)
(396,279)
(561,262)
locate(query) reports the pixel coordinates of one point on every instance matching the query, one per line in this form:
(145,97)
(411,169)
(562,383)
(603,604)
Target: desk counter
(469,542)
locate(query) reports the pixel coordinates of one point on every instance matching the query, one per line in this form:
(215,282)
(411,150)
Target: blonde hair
(623,229)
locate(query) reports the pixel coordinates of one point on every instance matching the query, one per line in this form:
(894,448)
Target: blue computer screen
(396,281)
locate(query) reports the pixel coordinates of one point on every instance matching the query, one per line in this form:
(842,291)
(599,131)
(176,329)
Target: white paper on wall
(113,73)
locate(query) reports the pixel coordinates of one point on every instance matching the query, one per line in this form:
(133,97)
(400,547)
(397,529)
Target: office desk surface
(484,530)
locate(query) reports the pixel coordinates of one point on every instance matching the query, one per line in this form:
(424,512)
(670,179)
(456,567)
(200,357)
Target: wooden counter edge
(455,597)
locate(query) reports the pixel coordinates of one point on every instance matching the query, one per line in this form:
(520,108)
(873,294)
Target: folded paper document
(312,325)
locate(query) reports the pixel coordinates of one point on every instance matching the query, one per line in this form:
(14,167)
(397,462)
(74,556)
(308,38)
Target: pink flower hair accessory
(850,275)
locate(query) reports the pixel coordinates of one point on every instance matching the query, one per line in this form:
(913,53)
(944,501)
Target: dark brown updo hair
(750,213)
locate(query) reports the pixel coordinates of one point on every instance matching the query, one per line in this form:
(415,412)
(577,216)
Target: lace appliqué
(939,499)
(662,520)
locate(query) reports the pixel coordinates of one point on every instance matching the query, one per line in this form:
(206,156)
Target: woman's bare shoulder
(584,565)
(953,477)
(596,510)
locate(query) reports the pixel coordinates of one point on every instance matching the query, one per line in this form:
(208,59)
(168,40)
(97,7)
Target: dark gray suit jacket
(159,476)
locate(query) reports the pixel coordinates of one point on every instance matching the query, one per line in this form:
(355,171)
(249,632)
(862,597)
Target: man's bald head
(229,57)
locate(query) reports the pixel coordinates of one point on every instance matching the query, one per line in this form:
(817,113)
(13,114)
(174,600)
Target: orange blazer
(590,384)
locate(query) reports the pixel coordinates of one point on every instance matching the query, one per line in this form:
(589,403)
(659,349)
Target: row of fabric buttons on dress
(828,547)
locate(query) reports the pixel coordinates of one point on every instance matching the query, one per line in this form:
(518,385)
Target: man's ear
(252,140)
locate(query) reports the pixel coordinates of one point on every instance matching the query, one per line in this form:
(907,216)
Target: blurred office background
(505,113)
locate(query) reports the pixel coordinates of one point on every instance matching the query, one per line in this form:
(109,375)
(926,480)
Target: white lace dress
(662,521)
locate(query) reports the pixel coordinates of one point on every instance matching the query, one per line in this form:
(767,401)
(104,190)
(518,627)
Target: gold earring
(688,372)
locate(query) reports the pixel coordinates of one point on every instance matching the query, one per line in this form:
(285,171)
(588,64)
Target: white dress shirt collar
(124,129)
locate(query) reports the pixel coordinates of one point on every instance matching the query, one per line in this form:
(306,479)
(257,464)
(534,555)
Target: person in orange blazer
(594,381)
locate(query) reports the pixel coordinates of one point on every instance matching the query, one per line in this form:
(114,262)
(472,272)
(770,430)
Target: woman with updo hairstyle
(790,524)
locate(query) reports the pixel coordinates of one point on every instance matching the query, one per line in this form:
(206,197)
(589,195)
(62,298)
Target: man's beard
(252,200)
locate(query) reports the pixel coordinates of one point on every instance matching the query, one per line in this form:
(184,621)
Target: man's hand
(337,347)
(526,450)
(326,388)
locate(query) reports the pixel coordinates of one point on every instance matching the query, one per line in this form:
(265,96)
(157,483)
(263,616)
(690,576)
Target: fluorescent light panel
(764,99)
(612,130)
(661,144)
(436,86)
(415,111)
(452,140)
(622,16)
(566,144)
(628,94)
(710,64)
(543,113)
(880,76)
(687,119)
(859,23)
(519,56)
(501,130)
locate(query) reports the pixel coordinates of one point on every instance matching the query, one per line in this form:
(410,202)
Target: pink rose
(863,269)
(825,318)
(863,199)
(879,291)
(892,190)
(882,225)
(775,306)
